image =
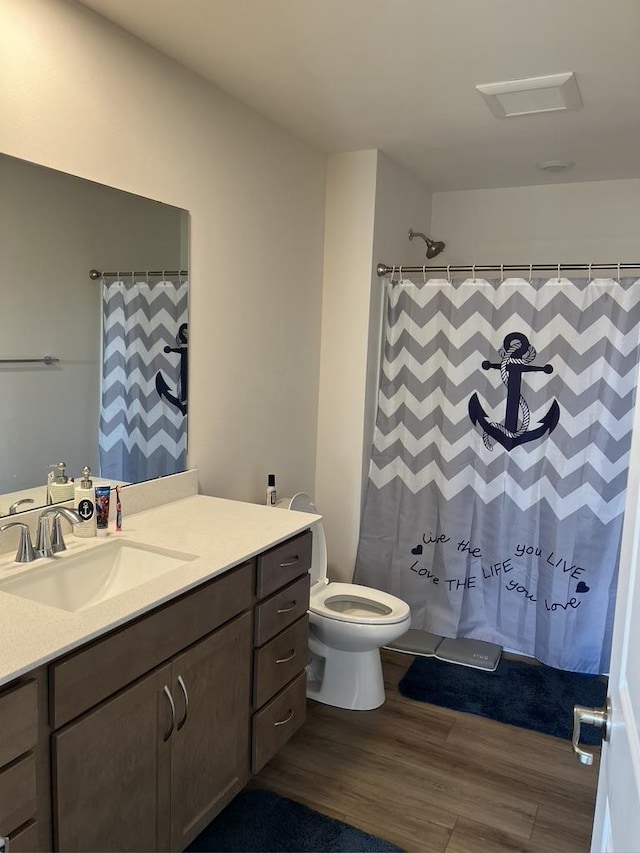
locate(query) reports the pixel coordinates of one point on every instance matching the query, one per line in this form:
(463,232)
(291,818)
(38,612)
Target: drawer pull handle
(287,719)
(167,693)
(290,606)
(290,657)
(186,703)
(290,562)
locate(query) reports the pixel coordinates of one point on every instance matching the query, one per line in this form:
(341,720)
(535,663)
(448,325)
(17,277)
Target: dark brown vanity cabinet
(18,739)
(281,643)
(137,740)
(149,767)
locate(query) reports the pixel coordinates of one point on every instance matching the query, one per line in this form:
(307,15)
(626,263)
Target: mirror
(56,228)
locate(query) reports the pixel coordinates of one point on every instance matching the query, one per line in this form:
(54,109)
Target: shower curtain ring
(473,272)
(558,273)
(146,277)
(393,272)
(449,273)
(501,273)
(530,273)
(589,279)
(618,272)
(424,274)
(400,279)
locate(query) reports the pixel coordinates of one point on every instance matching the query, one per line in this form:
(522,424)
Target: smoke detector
(532,95)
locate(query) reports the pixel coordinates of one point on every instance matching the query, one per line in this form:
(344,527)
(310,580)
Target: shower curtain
(143,423)
(499,463)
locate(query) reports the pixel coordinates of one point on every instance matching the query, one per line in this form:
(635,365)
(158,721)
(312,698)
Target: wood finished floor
(433,780)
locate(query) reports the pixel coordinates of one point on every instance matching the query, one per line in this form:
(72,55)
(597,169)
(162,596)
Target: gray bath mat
(474,653)
(416,643)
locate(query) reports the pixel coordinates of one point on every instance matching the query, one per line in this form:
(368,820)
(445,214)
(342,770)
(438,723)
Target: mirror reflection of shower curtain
(500,458)
(143,423)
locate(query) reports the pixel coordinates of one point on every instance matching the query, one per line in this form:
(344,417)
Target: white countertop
(221,533)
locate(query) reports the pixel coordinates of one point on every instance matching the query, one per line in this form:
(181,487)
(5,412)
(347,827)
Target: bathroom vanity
(130,724)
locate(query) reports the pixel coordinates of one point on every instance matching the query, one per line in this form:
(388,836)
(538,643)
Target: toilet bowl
(348,623)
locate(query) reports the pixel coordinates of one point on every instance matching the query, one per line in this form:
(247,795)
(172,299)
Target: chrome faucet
(25,553)
(50,543)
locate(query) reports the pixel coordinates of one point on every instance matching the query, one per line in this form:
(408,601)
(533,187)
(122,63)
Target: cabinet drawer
(281,609)
(274,724)
(277,662)
(87,677)
(283,564)
(25,838)
(18,721)
(17,794)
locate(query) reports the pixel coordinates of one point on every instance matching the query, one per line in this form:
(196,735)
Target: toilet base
(351,680)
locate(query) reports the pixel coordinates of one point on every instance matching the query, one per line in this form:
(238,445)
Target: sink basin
(77,582)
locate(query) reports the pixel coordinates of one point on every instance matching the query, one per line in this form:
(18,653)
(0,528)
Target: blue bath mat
(264,821)
(517,693)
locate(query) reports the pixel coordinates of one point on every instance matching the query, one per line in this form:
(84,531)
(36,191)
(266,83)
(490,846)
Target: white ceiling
(400,76)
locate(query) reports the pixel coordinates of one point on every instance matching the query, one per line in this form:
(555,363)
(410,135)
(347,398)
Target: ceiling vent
(533,95)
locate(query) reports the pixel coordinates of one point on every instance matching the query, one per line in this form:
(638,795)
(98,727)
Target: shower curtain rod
(383,269)
(94,274)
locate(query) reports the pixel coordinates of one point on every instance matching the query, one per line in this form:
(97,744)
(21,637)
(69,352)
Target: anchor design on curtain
(179,400)
(516,357)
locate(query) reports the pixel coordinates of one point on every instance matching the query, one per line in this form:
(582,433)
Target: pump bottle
(271,490)
(86,506)
(59,486)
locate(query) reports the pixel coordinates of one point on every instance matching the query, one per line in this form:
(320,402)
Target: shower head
(434,247)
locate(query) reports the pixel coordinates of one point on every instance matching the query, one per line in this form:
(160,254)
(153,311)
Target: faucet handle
(25,553)
(43,538)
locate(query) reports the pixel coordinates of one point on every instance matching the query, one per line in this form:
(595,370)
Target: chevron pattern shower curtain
(143,424)
(499,463)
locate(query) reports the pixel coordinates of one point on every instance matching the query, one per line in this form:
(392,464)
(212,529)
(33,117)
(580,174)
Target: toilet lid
(349,602)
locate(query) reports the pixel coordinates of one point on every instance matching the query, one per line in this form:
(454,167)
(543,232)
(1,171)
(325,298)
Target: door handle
(172,704)
(599,717)
(186,703)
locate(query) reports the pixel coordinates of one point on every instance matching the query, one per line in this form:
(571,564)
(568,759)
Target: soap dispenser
(60,487)
(86,506)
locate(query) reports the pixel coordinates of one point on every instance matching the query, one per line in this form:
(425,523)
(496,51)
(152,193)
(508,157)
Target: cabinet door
(110,772)
(211,743)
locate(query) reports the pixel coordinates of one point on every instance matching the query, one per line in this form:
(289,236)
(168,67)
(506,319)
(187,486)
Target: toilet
(348,624)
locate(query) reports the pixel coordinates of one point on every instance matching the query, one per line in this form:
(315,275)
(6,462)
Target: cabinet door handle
(186,702)
(286,719)
(167,693)
(290,606)
(291,656)
(290,562)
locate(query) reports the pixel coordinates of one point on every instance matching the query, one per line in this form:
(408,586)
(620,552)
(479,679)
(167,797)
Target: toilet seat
(349,602)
